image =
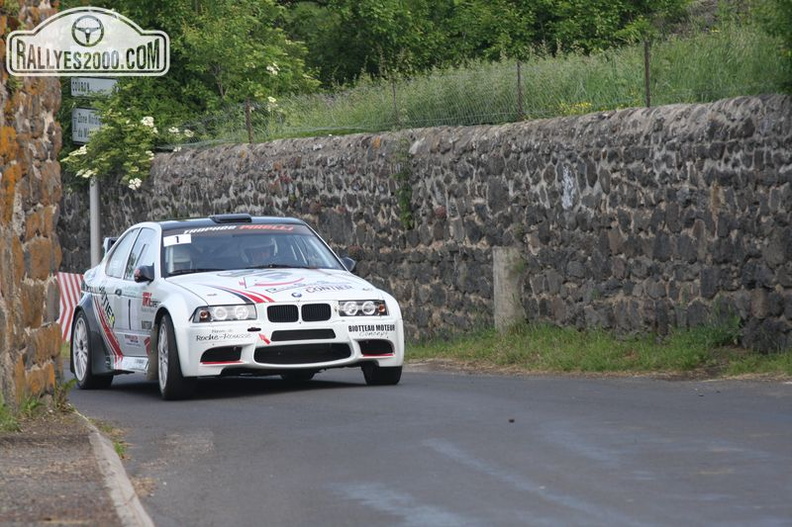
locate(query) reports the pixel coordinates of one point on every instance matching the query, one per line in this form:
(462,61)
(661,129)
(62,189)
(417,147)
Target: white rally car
(230,294)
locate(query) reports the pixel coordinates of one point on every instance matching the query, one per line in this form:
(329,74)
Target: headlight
(363,308)
(224,313)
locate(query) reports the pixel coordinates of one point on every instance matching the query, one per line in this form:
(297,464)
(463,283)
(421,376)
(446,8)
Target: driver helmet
(261,250)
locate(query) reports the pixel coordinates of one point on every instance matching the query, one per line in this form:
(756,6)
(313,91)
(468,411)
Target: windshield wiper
(190,271)
(280,266)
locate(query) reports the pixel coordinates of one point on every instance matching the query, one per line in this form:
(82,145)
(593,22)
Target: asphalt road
(446,449)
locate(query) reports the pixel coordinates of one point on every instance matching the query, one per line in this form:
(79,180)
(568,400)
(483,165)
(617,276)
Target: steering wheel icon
(84,28)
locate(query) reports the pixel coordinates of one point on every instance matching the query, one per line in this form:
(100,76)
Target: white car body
(290,319)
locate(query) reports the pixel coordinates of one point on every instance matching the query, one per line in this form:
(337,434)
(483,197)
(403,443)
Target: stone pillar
(506,273)
(30,194)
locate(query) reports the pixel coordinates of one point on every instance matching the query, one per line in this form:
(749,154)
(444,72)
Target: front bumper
(214,349)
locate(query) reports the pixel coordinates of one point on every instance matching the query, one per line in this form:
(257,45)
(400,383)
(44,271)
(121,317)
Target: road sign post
(85,121)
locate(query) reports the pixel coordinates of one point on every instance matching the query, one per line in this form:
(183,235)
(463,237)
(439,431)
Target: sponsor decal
(327,287)
(131,340)
(94,290)
(269,278)
(281,228)
(216,335)
(176,239)
(274,282)
(199,230)
(107,309)
(255,228)
(148,301)
(248,296)
(106,329)
(368,328)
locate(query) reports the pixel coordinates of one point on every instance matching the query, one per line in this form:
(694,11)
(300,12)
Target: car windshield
(249,246)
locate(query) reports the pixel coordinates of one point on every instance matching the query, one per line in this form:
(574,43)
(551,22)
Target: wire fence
(704,68)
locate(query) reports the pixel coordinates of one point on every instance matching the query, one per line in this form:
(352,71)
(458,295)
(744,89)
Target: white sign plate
(87,86)
(84,121)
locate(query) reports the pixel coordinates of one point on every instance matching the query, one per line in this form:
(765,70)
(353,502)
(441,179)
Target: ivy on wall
(404,192)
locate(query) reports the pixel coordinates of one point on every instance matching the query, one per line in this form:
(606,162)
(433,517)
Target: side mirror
(349,263)
(144,273)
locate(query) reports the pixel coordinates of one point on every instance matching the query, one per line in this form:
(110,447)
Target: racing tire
(377,375)
(82,355)
(172,384)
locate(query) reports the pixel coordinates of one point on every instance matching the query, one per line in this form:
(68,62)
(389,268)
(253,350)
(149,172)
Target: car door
(115,325)
(139,307)
(134,313)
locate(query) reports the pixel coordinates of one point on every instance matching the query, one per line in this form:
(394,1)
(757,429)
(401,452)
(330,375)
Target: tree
(222,52)
(776,16)
(349,38)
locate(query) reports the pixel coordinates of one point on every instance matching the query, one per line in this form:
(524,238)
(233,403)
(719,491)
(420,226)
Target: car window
(245,246)
(142,252)
(117,259)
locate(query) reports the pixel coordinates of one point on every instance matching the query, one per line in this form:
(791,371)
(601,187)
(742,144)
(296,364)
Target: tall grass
(731,61)
(703,351)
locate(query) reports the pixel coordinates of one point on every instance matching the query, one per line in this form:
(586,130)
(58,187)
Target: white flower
(147,121)
(177,149)
(273,68)
(86,173)
(150,154)
(135,183)
(173,130)
(272,100)
(79,152)
(188,133)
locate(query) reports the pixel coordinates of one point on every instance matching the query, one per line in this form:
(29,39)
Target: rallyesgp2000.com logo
(88,41)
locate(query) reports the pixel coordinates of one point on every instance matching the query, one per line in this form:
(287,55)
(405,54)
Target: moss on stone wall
(30,254)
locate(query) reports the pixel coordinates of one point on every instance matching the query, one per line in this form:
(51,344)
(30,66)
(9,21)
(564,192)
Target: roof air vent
(231,218)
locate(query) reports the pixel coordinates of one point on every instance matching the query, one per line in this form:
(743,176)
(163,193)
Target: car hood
(276,285)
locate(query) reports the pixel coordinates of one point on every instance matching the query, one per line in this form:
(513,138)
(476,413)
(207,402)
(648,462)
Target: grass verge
(704,352)
(707,65)
(32,408)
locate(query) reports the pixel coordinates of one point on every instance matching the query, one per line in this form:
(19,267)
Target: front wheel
(82,357)
(377,375)
(173,385)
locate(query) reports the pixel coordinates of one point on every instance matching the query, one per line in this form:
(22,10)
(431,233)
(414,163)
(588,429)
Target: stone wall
(30,195)
(635,220)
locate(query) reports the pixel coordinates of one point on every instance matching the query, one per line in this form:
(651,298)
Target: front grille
(302,354)
(302,334)
(287,313)
(315,312)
